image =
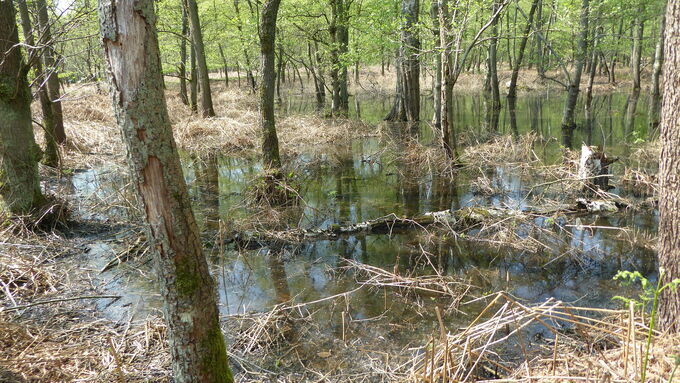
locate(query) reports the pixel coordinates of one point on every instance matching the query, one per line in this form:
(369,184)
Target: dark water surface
(364,182)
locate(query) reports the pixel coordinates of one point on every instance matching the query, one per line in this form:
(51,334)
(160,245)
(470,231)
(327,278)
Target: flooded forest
(339,191)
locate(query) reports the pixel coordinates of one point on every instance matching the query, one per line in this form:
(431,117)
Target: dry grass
(641,169)
(68,349)
(442,286)
(583,344)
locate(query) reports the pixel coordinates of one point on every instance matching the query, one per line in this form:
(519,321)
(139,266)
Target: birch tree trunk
(132,57)
(669,171)
(19,154)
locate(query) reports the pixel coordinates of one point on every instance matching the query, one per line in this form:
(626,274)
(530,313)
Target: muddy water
(363,181)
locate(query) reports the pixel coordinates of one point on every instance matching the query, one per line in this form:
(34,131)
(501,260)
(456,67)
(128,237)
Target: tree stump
(593,169)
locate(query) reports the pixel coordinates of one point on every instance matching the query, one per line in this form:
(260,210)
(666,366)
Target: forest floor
(54,295)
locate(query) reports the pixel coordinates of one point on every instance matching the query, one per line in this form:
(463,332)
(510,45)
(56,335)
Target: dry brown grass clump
(641,168)
(504,150)
(22,278)
(70,349)
(583,344)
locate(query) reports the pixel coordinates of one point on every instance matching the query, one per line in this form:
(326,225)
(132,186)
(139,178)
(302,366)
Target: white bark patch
(125,45)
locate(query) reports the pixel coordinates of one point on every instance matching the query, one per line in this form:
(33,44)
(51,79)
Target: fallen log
(460,220)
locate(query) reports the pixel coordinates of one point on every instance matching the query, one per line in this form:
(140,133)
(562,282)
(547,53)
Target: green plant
(649,293)
(677,363)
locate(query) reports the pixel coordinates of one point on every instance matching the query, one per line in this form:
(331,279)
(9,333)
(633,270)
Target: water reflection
(540,112)
(363,181)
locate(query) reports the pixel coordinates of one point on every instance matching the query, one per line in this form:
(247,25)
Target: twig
(15,308)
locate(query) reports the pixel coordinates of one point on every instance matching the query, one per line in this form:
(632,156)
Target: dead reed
(576,344)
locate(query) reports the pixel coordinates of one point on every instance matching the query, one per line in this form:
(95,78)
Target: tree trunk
(636,57)
(130,45)
(183,58)
(407,99)
(512,89)
(279,72)
(193,86)
(199,50)
(437,78)
(51,72)
(51,157)
(319,77)
(589,90)
(655,97)
(448,134)
(19,154)
(493,72)
(343,41)
(568,122)
(669,173)
(339,46)
(270,143)
(225,66)
(539,42)
(248,67)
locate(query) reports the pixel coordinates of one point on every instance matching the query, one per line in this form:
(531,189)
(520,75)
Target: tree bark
(193,86)
(407,99)
(539,42)
(199,50)
(636,57)
(449,141)
(183,58)
(655,97)
(250,79)
(568,122)
(512,89)
(669,172)
(270,142)
(132,56)
(437,78)
(51,156)
(51,72)
(19,154)
(339,46)
(494,110)
(225,66)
